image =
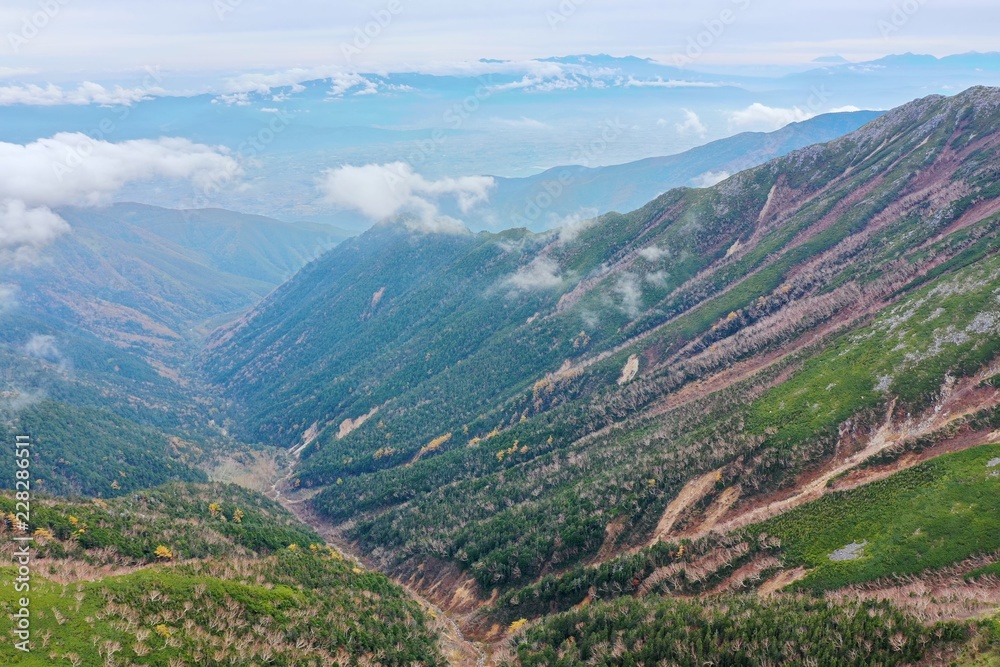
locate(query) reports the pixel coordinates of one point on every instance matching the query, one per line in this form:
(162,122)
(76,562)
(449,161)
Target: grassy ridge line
(233,578)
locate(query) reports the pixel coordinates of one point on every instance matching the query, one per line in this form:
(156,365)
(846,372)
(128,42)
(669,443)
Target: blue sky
(204,41)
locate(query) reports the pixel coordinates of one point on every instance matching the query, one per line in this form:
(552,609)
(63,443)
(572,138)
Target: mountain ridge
(495,433)
(560,192)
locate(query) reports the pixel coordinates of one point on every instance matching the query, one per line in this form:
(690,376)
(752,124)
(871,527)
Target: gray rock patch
(852,551)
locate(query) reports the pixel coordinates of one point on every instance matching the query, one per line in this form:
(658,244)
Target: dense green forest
(93,452)
(733,631)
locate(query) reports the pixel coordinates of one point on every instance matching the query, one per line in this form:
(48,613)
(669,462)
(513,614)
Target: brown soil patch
(725,502)
(611,533)
(692,493)
(748,574)
(781,580)
(255,472)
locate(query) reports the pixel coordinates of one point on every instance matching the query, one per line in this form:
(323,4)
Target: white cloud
(382,190)
(850,108)
(691,125)
(8,72)
(24,231)
(539,84)
(74,169)
(15,400)
(472,68)
(237,90)
(710,178)
(764,118)
(234,99)
(343,83)
(264,83)
(8,296)
(42,346)
(760,117)
(526,83)
(541,274)
(658,278)
(571,226)
(658,82)
(258,82)
(630,291)
(436,224)
(654,253)
(86,93)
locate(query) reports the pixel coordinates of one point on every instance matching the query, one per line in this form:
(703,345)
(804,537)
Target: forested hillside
(95,335)
(489,410)
(202,575)
(768,407)
(143,277)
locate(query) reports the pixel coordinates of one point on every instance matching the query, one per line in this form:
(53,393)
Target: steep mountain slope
(91,350)
(513,404)
(94,452)
(537,201)
(142,277)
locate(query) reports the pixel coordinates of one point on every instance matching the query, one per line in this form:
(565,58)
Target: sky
(99,59)
(203,42)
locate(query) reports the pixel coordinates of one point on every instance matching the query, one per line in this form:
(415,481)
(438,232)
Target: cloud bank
(24,231)
(380,191)
(540,274)
(86,93)
(763,118)
(42,346)
(691,125)
(710,178)
(73,169)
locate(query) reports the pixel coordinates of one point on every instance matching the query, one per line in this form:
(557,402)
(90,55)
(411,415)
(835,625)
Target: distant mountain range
(551,198)
(512,119)
(144,277)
